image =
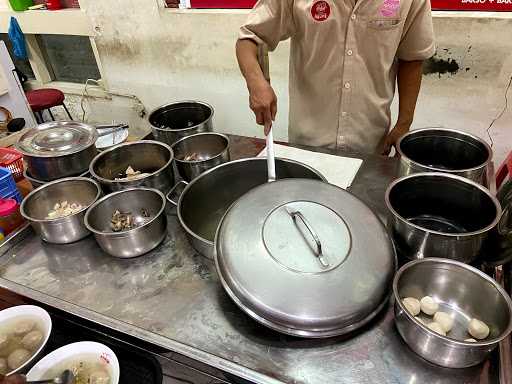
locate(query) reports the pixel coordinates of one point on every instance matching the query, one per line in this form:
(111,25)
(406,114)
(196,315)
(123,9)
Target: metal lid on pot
(305,258)
(57,138)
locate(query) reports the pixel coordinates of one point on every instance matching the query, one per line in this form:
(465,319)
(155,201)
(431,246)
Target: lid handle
(298,215)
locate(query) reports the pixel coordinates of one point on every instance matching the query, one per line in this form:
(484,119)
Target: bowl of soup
(24,332)
(90,363)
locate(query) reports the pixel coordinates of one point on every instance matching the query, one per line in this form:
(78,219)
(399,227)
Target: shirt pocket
(384,24)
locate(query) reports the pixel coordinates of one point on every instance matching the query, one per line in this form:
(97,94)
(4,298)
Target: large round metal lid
(57,138)
(305,258)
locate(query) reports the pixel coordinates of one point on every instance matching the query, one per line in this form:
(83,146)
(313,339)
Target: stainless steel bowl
(37,183)
(444,150)
(440,215)
(150,157)
(148,209)
(460,290)
(204,201)
(40,202)
(174,121)
(210,150)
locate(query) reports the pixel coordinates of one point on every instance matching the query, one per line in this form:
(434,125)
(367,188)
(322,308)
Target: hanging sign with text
(439,5)
(472,5)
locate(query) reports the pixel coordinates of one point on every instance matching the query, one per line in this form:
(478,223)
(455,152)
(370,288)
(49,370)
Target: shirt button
(353,17)
(349,52)
(347,85)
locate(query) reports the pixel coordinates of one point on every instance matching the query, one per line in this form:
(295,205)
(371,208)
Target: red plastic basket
(13,161)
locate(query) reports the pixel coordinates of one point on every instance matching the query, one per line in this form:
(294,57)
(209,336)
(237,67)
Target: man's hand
(263,102)
(262,98)
(13,379)
(392,138)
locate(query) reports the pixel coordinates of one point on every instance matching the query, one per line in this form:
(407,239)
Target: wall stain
(436,65)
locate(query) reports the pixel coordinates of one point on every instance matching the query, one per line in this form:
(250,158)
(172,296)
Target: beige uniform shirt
(343,62)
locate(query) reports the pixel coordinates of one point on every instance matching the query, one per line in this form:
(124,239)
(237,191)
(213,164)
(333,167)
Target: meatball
(478,329)
(32,340)
(24,326)
(17,358)
(428,306)
(412,305)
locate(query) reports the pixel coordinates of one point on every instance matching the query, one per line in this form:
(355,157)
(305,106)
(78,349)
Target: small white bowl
(29,311)
(112,139)
(75,352)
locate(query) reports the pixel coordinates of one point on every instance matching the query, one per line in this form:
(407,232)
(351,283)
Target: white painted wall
(164,55)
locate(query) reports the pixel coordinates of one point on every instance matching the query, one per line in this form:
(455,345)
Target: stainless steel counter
(172,298)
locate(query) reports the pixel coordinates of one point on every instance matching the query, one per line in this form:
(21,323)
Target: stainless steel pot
(37,205)
(37,183)
(174,121)
(461,291)
(444,150)
(284,248)
(150,157)
(206,199)
(58,149)
(500,241)
(440,215)
(147,207)
(208,150)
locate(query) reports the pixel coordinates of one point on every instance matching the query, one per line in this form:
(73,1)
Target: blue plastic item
(18,40)
(7,180)
(16,196)
(8,189)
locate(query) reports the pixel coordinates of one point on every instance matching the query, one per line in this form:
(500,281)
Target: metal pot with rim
(305,258)
(152,158)
(204,200)
(444,150)
(198,153)
(174,121)
(58,149)
(440,215)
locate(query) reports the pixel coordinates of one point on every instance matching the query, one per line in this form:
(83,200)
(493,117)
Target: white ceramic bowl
(29,311)
(74,352)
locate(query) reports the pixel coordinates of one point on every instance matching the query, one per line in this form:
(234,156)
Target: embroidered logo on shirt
(389,8)
(321,10)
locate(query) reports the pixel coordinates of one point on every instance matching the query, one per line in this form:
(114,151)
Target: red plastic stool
(504,170)
(45,99)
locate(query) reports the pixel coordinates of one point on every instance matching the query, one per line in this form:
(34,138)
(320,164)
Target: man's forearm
(409,83)
(247,55)
(262,98)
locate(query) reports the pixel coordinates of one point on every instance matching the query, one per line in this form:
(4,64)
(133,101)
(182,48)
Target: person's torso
(342,71)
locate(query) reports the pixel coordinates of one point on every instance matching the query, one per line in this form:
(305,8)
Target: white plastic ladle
(271,163)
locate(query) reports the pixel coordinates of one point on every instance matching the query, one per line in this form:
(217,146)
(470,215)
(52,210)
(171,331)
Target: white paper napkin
(338,170)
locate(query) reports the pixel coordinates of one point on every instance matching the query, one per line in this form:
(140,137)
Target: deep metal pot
(36,206)
(148,156)
(204,201)
(500,240)
(134,242)
(305,239)
(58,149)
(211,149)
(174,121)
(462,291)
(444,150)
(440,215)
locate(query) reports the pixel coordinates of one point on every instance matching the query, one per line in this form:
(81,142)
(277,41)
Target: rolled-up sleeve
(269,22)
(417,41)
